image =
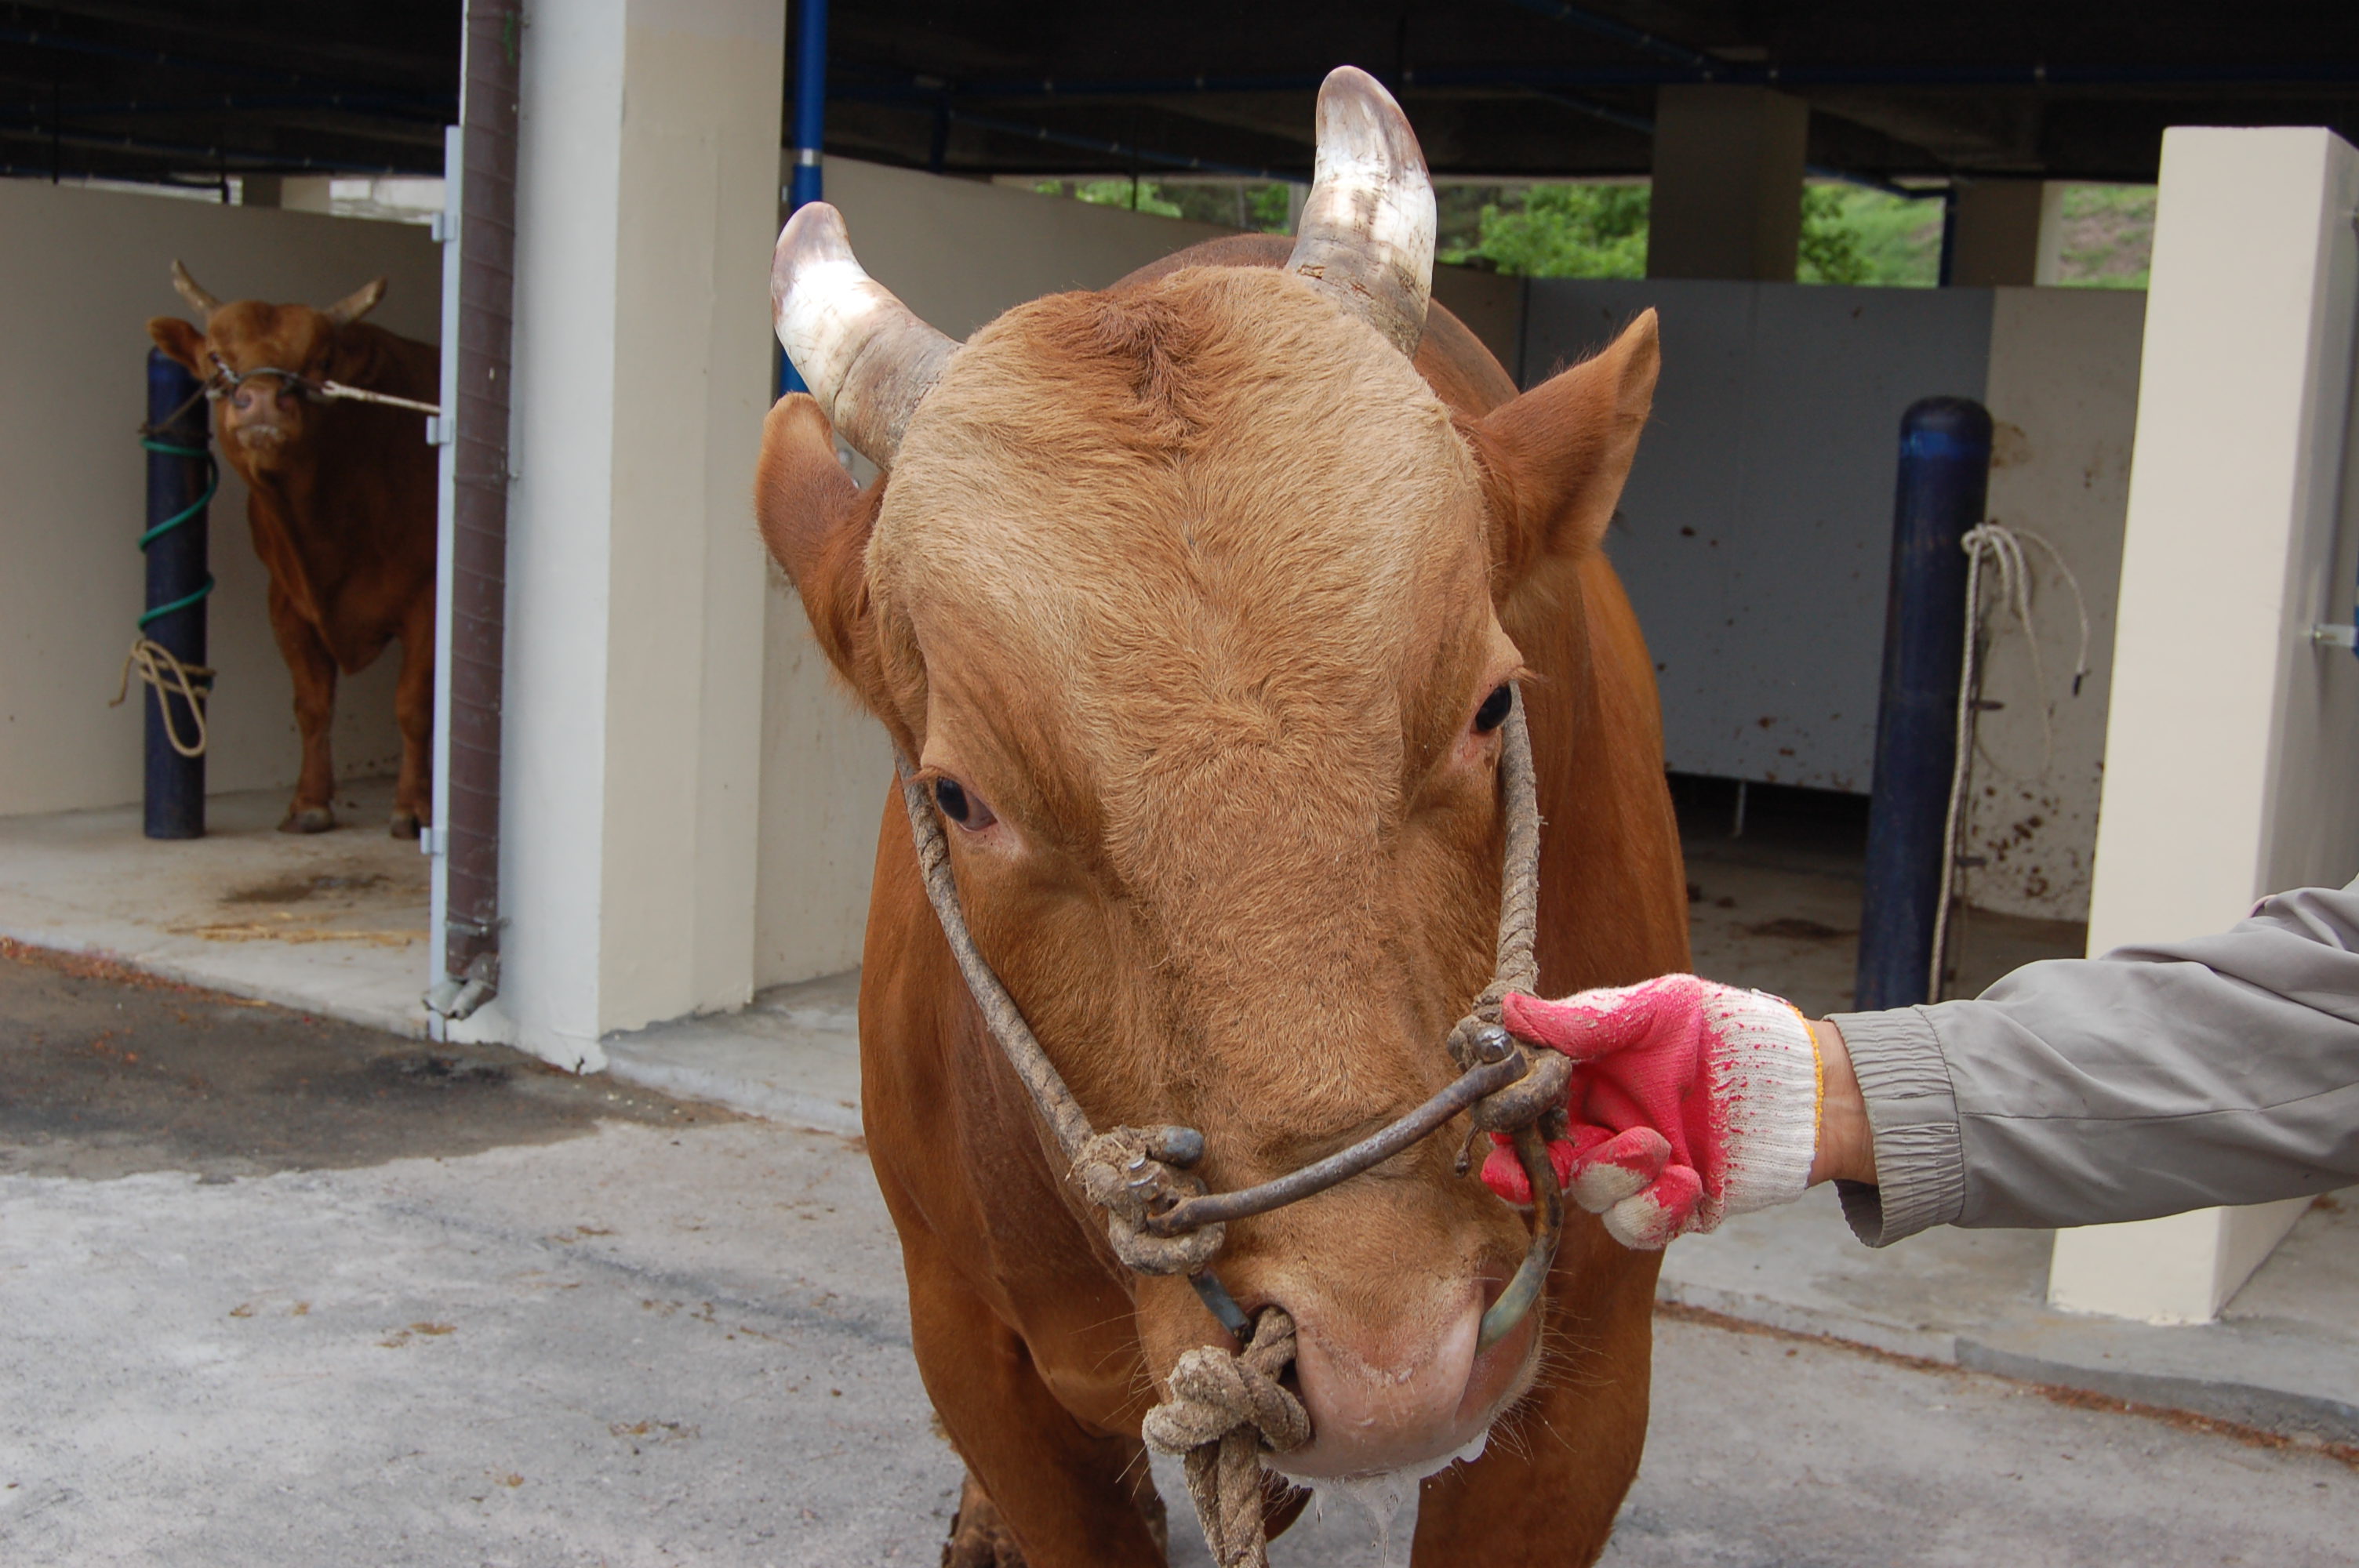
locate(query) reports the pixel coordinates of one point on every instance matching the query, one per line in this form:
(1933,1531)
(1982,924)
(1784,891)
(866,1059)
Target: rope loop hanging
(2002,548)
(160,668)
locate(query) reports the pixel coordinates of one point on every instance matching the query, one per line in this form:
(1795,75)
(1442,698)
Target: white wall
(2235,737)
(80,273)
(2063,400)
(647,188)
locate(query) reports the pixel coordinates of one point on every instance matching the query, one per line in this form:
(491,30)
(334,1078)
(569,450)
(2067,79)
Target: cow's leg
(413,709)
(981,1538)
(1051,1493)
(1548,1486)
(314,669)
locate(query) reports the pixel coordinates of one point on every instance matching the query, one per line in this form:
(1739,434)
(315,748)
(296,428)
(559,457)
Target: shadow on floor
(1774,897)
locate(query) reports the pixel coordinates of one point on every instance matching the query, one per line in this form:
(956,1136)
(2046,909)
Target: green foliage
(2108,239)
(1831,248)
(1138,195)
(1850,235)
(1562,231)
(1236,205)
(1853,234)
(1269,207)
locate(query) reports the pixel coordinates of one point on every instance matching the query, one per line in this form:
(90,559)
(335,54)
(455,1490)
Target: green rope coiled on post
(213,483)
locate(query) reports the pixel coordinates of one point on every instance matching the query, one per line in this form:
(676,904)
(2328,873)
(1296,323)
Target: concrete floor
(332,922)
(282,1291)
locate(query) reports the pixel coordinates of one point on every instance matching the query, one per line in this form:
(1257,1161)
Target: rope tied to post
(157,665)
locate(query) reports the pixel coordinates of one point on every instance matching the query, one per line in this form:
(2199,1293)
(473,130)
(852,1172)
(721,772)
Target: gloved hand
(1691,1101)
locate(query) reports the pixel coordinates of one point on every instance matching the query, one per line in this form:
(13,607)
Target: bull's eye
(968,811)
(1493,711)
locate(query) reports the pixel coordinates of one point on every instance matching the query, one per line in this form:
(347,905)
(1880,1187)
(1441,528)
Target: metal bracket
(430,841)
(442,429)
(2335,634)
(444,227)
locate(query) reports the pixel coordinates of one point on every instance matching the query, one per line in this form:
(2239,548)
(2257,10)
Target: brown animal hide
(341,506)
(1186,597)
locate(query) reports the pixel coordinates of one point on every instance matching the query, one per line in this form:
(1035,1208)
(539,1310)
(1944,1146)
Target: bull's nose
(1406,1397)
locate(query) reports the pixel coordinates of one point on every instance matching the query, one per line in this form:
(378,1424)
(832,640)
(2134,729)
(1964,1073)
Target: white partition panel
(631,755)
(2235,737)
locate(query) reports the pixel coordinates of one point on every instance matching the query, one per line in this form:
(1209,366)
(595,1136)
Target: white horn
(187,288)
(1366,233)
(866,356)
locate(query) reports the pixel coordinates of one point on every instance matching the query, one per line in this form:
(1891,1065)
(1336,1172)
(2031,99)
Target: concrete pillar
(1728,183)
(1998,234)
(2233,737)
(2047,272)
(647,203)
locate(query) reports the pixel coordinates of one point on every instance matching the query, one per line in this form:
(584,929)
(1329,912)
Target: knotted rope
(1223,1411)
(158,667)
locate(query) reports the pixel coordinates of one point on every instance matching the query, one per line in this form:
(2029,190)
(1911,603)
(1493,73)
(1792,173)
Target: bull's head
(1186,600)
(258,360)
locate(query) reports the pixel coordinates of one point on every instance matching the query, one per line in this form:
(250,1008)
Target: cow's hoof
(405,824)
(979,1536)
(309,819)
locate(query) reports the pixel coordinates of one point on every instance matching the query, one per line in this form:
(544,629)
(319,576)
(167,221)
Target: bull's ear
(1555,458)
(816,523)
(181,342)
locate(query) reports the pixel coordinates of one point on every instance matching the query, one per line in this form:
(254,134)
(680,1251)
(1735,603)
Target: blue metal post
(810,127)
(180,487)
(1945,444)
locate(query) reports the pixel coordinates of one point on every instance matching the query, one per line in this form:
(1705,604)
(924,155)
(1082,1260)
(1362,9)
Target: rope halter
(224,381)
(1224,1410)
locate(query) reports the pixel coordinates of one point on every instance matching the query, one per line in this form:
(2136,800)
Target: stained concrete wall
(958,253)
(2063,399)
(80,272)
(1756,532)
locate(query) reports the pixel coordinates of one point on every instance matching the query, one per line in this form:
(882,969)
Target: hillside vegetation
(1850,234)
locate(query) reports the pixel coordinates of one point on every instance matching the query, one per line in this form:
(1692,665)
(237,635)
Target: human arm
(2155,1080)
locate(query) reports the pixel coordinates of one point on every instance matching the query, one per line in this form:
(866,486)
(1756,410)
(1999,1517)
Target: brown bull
(341,505)
(1192,602)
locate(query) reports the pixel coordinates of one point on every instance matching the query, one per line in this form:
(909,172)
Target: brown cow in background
(341,502)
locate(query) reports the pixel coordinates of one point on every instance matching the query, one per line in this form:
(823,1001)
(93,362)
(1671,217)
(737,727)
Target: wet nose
(1408,1394)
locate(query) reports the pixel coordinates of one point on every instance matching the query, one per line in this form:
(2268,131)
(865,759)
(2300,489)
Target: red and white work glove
(1690,1101)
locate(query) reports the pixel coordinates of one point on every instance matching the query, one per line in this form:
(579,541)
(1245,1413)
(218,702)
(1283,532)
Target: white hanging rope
(2002,546)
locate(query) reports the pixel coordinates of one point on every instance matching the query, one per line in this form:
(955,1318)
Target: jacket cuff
(1912,1112)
